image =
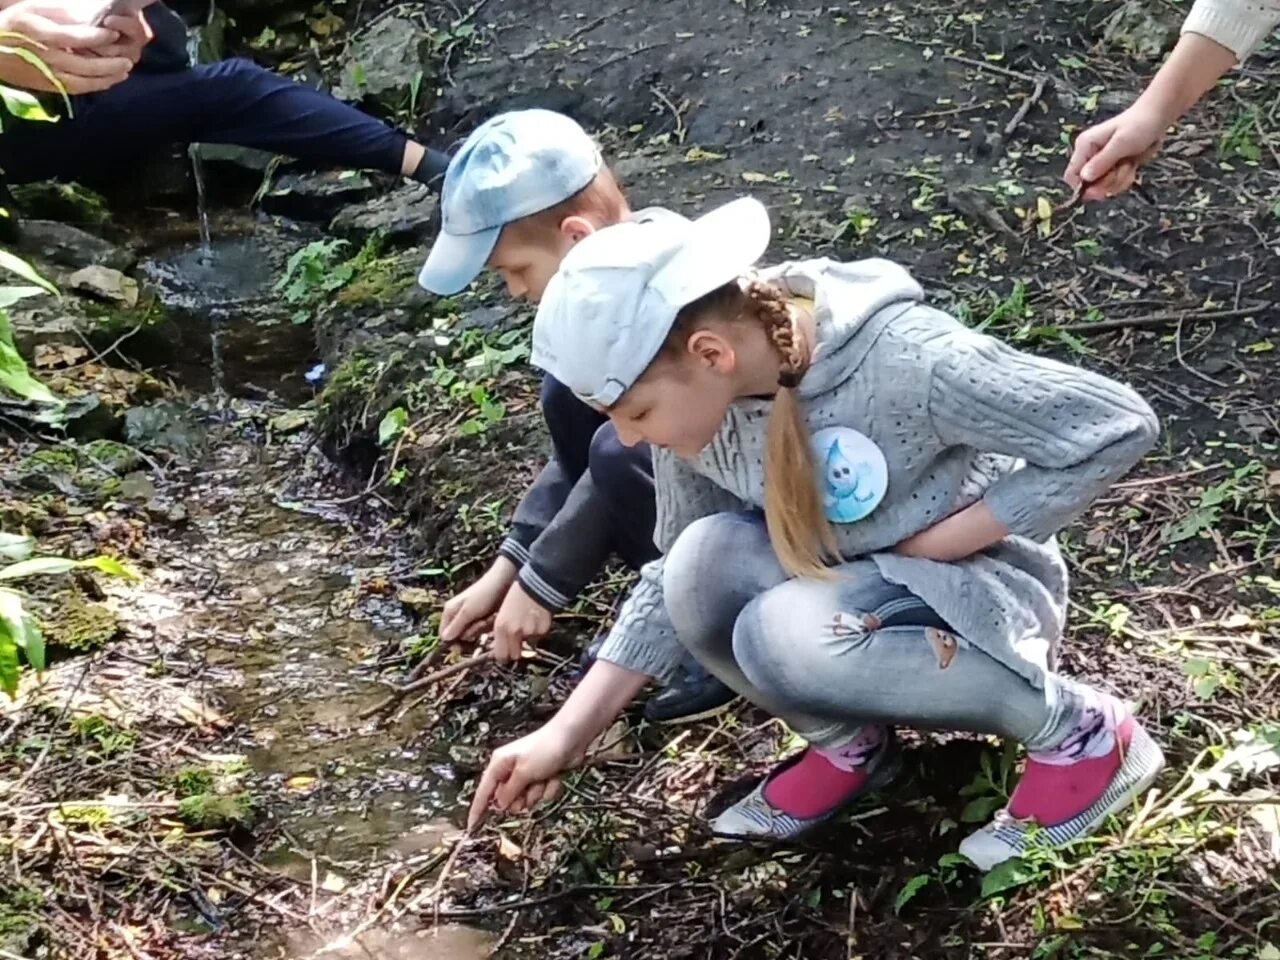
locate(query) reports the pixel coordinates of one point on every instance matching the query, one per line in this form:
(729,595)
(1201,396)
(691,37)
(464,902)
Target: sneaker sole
(1142,763)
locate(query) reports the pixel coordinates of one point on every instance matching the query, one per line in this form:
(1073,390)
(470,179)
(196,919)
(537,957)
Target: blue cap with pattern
(513,166)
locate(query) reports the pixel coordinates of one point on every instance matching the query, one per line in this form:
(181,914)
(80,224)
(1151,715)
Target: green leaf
(909,890)
(39,566)
(979,809)
(17,265)
(11,295)
(1007,876)
(112,566)
(1196,668)
(34,645)
(33,59)
(1205,687)
(24,105)
(14,546)
(392,425)
(8,662)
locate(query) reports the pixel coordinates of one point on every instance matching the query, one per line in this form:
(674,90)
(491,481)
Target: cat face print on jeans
(853,472)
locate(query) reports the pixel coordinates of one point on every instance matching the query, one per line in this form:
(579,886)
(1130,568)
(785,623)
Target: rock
(77,626)
(420,601)
(163,427)
(291,421)
(138,486)
(88,418)
(317,196)
(110,457)
(63,202)
(246,158)
(70,246)
(405,215)
(1143,30)
(105,284)
(386,60)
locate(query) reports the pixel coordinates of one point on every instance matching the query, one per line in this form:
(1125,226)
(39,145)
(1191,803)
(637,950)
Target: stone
(163,427)
(386,61)
(137,486)
(246,158)
(405,215)
(317,196)
(70,246)
(104,283)
(88,418)
(1143,30)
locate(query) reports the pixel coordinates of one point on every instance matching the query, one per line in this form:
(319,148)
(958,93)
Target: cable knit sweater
(960,417)
(1239,25)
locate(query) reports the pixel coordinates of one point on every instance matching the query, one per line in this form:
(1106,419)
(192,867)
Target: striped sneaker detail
(754,817)
(1006,837)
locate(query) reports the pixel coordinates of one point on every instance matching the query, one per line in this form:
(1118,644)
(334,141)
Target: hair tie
(789,379)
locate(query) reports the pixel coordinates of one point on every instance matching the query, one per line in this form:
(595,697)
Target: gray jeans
(830,656)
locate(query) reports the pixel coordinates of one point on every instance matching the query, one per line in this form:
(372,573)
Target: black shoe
(693,695)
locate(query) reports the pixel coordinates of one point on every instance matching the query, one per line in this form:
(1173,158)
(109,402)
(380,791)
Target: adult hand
(520,618)
(1108,155)
(69,49)
(135,33)
(525,772)
(468,615)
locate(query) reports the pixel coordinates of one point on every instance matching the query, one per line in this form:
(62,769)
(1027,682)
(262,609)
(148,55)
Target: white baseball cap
(512,166)
(610,307)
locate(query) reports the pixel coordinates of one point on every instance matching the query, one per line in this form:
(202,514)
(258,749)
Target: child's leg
(717,567)
(624,477)
(824,648)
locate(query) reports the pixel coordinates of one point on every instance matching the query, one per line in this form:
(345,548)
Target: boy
(523,189)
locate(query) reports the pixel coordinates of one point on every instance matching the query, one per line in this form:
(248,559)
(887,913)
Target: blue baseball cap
(610,307)
(514,165)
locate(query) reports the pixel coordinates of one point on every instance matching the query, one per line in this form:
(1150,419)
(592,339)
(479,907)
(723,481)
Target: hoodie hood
(852,303)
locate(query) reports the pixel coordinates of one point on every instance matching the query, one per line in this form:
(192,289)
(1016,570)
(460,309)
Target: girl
(912,474)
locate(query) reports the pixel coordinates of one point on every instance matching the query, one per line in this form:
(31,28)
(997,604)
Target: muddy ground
(310,555)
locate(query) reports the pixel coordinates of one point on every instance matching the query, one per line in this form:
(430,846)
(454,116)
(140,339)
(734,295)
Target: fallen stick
(1161,319)
(422,682)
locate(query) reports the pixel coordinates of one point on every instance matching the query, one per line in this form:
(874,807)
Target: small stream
(296,609)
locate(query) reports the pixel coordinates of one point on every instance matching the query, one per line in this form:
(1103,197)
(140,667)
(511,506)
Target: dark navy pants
(230,102)
(584,439)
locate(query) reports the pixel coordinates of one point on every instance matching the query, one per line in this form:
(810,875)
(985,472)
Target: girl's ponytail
(798,527)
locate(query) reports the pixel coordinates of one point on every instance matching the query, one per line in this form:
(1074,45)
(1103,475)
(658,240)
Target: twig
(1161,319)
(1027,103)
(983,65)
(624,55)
(442,674)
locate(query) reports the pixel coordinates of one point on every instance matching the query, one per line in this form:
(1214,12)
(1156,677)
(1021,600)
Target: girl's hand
(519,619)
(525,772)
(1107,156)
(135,33)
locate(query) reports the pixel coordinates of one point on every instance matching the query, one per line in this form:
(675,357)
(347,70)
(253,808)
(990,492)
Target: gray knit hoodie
(960,417)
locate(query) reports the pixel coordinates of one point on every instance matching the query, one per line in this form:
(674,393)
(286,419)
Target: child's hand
(1107,156)
(520,618)
(525,772)
(467,615)
(83,58)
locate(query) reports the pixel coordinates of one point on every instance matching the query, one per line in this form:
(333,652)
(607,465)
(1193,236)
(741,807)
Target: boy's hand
(520,618)
(467,615)
(524,772)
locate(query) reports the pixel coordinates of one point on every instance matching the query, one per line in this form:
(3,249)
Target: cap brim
(454,261)
(721,246)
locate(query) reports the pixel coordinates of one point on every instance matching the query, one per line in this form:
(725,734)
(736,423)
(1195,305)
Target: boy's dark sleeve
(571,550)
(536,510)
